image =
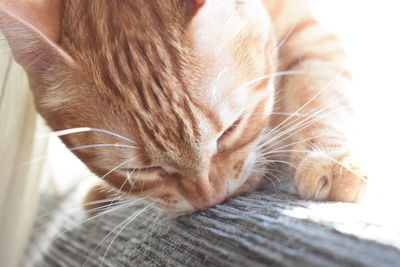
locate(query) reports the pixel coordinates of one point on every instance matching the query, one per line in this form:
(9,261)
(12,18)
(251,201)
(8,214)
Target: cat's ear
(32,28)
(197,4)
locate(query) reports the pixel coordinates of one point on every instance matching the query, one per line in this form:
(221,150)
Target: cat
(190,102)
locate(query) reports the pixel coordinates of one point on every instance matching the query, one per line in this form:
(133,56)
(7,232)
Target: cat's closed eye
(228,132)
(144,171)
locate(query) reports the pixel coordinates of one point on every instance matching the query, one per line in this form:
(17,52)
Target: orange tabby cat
(190,102)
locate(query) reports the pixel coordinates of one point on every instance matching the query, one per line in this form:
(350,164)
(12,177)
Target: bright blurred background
(371,36)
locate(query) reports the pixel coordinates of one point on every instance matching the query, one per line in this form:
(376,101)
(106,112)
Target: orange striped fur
(197,90)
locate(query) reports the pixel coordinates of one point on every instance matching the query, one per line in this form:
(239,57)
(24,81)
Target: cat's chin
(173,213)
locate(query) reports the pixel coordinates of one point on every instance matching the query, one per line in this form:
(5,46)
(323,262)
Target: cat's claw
(330,177)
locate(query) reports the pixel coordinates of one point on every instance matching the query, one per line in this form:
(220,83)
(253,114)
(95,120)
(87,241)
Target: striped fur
(181,80)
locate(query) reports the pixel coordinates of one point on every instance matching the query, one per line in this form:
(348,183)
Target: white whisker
(286,36)
(126,180)
(87,129)
(268,161)
(80,207)
(131,203)
(303,119)
(310,100)
(100,145)
(301,125)
(300,128)
(324,155)
(74,149)
(298,142)
(128,221)
(276,74)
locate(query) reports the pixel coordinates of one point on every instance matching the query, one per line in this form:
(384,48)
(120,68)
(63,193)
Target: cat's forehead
(177,93)
(151,65)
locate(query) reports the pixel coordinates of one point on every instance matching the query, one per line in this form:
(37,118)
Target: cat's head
(177,80)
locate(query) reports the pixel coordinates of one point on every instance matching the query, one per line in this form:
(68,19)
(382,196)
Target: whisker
(114,199)
(115,168)
(347,168)
(300,128)
(311,99)
(153,227)
(130,219)
(87,129)
(74,149)
(78,207)
(301,125)
(126,180)
(276,74)
(286,36)
(96,216)
(298,142)
(279,161)
(278,186)
(275,183)
(326,156)
(309,114)
(100,145)
(132,182)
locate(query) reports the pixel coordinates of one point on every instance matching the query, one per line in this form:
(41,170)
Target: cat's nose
(203,191)
(211,203)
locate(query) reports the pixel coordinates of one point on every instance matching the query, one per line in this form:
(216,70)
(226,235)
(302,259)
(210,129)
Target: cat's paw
(97,198)
(330,177)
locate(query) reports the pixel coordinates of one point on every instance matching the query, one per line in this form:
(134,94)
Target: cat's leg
(313,115)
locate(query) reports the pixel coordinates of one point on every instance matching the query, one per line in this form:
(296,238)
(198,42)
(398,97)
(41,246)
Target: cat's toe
(330,177)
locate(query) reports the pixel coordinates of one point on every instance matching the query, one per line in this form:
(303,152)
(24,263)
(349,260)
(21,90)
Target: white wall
(370,33)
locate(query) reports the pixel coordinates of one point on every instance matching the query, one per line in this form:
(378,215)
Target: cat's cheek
(247,172)
(253,182)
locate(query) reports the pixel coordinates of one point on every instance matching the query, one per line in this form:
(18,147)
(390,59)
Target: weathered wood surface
(262,229)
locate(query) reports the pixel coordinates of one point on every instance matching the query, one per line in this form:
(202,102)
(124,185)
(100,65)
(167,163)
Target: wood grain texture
(262,229)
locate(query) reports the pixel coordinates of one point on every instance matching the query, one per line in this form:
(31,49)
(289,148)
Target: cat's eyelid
(145,169)
(142,168)
(230,129)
